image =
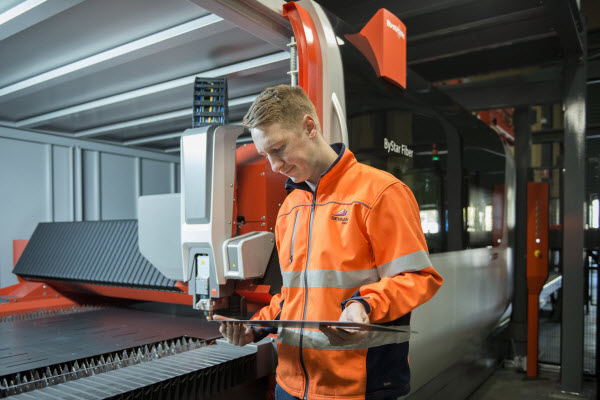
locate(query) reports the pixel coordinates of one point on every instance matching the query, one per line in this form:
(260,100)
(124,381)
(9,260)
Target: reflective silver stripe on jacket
(411,262)
(328,278)
(319,341)
(293,237)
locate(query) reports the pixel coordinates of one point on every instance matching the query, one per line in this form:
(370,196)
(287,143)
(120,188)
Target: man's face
(290,152)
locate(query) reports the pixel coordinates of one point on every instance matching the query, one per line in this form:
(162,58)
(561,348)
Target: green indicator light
(435,158)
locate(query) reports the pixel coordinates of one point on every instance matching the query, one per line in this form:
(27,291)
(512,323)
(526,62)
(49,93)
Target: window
(483,178)
(412,147)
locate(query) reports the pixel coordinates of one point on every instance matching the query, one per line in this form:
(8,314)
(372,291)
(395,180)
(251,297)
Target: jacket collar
(344,159)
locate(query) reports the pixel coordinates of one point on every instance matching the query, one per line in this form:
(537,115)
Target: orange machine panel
(383,43)
(501,120)
(18,249)
(260,191)
(537,264)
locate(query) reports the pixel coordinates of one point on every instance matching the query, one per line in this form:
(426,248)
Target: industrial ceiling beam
(187,112)
(160,138)
(243,66)
(539,86)
(23,17)
(558,135)
(461,42)
(175,36)
(262,18)
(505,96)
(514,56)
(404,9)
(568,25)
(61,139)
(483,23)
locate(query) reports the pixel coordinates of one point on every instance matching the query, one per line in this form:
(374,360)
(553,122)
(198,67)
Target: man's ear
(309,126)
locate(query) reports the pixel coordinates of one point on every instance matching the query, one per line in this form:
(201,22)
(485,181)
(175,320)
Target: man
(350,247)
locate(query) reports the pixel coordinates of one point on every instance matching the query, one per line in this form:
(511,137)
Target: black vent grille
(99,252)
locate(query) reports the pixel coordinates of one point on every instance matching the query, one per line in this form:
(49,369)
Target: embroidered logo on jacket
(340,216)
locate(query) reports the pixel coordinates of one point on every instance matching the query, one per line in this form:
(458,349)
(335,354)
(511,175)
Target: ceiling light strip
(161,87)
(187,112)
(136,45)
(152,139)
(19,9)
(160,138)
(135,122)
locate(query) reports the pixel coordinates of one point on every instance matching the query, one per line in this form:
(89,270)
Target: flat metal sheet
(319,324)
(31,344)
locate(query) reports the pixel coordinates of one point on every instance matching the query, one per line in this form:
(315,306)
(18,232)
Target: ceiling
(122,70)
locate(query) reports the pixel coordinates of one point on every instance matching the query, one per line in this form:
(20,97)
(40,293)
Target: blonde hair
(284,104)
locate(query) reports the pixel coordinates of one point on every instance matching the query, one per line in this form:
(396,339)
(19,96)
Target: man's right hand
(236,333)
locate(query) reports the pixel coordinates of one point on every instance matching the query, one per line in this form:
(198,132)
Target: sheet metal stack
(118,353)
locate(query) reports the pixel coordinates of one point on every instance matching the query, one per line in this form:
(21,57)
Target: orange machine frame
(537,264)
(310,63)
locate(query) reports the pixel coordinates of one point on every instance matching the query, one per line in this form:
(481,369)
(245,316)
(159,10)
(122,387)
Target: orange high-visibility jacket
(358,237)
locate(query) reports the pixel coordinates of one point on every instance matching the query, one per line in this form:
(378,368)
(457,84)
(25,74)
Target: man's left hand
(355,312)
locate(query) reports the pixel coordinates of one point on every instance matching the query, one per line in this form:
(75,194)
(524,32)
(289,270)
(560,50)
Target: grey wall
(45,178)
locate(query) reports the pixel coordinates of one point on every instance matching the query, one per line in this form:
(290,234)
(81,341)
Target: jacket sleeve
(273,310)
(270,312)
(407,278)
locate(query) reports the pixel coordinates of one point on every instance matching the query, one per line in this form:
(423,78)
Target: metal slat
(52,391)
(72,237)
(129,373)
(78,258)
(50,258)
(113,256)
(99,237)
(42,395)
(79,389)
(88,390)
(134,274)
(110,244)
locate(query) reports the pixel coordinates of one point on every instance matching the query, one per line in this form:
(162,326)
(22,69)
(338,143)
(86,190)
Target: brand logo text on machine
(396,29)
(389,145)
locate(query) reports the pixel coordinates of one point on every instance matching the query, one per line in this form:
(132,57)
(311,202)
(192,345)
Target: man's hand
(355,312)
(234,332)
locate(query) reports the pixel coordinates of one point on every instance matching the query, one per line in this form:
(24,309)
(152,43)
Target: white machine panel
(159,233)
(247,256)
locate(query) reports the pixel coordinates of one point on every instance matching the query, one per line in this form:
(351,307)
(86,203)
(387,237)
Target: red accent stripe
(125,293)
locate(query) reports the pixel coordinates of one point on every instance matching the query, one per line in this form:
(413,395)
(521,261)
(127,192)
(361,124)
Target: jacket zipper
(312,213)
(293,236)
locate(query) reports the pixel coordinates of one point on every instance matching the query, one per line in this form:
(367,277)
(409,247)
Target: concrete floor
(509,384)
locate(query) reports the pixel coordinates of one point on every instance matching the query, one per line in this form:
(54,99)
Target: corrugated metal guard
(101,252)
